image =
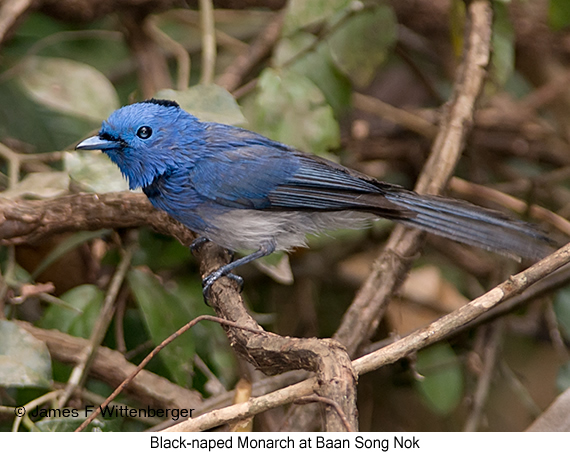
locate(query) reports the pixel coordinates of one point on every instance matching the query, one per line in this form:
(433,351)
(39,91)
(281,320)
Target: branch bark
(274,354)
(26,221)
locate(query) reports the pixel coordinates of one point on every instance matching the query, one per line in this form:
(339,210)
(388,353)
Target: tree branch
(274,354)
(25,221)
(112,368)
(391,353)
(365,313)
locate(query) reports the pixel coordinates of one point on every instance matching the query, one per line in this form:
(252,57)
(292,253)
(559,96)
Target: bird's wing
(241,176)
(323,185)
(266,176)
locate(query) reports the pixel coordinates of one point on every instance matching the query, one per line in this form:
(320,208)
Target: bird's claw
(238,279)
(197,244)
(209,280)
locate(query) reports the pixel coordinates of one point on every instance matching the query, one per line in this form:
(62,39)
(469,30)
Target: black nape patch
(162,102)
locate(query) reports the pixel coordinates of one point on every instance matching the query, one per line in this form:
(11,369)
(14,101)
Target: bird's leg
(225,270)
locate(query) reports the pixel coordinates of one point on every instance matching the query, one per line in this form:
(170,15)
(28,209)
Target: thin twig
(554,332)
(520,389)
(208,41)
(259,49)
(182,57)
(151,61)
(484,382)
(396,115)
(79,373)
(214,386)
(319,399)
(13,159)
(154,352)
(10,10)
(31,405)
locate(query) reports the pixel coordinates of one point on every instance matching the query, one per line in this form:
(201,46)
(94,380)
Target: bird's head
(147,139)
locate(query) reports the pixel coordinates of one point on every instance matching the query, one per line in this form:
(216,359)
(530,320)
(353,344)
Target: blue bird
(244,191)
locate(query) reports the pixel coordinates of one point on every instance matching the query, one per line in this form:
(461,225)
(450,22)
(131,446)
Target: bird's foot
(226,270)
(209,280)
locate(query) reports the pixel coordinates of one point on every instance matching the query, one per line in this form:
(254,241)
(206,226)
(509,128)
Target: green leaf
(68,87)
(559,14)
(317,66)
(363,43)
(24,360)
(42,128)
(210,340)
(159,252)
(301,13)
(165,313)
(457,25)
(94,172)
(65,247)
(442,385)
(39,186)
(87,299)
(562,310)
(563,377)
(290,108)
(208,103)
(503,41)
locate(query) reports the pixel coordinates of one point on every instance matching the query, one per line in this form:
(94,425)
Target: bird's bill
(96,142)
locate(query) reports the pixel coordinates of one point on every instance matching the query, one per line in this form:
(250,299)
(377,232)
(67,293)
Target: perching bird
(244,191)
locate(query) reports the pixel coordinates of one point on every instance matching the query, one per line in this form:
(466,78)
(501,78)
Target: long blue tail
(473,225)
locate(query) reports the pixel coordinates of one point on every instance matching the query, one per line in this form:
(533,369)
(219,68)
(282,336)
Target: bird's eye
(144,132)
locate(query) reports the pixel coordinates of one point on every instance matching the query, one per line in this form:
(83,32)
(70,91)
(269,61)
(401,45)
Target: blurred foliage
(559,14)
(441,381)
(24,360)
(59,80)
(87,301)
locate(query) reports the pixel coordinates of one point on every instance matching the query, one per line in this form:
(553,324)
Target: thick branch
(89,10)
(152,66)
(111,367)
(274,354)
(31,221)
